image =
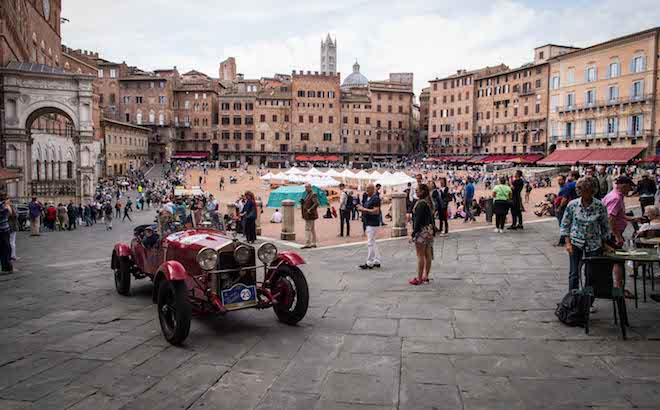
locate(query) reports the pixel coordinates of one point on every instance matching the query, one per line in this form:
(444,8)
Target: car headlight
(242,255)
(207,258)
(267,252)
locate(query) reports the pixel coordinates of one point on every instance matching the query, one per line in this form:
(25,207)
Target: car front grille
(227,279)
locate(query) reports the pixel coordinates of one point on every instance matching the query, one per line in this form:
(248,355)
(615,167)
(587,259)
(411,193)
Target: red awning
(333,158)
(565,157)
(190,155)
(302,158)
(526,159)
(620,156)
(497,158)
(655,159)
(317,158)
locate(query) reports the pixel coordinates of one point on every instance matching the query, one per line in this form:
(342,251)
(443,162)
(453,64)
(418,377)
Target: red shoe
(425,279)
(415,281)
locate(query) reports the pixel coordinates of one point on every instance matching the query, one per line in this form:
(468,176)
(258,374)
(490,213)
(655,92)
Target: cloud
(429,38)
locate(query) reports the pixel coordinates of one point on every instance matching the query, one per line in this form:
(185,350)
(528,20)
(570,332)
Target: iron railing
(604,103)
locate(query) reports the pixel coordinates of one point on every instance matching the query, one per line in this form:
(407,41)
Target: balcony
(526,91)
(182,125)
(65,187)
(600,135)
(604,103)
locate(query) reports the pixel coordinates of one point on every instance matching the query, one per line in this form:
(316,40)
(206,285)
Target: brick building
(236,104)
(125,145)
(424,104)
(604,100)
(195,112)
(273,120)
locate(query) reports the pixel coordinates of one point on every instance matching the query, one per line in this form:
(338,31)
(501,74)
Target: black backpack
(572,310)
(349,202)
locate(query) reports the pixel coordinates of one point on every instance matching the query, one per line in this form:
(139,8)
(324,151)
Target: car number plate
(239,296)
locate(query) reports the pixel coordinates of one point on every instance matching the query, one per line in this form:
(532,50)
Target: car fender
(289,257)
(121,249)
(173,270)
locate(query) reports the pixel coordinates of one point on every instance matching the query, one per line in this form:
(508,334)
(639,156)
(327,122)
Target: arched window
(152,118)
(161,119)
(38,170)
(139,118)
(69,170)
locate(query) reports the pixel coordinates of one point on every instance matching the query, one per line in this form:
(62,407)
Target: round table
(643,257)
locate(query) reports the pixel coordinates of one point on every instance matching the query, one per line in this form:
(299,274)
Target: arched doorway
(49,112)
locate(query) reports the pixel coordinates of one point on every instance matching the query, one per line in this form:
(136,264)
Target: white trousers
(373,255)
(310,233)
(12,242)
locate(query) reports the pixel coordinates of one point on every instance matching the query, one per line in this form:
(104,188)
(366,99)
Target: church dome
(355,79)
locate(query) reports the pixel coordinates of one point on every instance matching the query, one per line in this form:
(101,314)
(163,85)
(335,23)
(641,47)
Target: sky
(430,38)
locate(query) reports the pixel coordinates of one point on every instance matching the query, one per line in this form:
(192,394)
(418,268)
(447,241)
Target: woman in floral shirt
(585,227)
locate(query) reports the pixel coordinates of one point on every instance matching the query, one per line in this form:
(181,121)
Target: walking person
(467,204)
(566,194)
(126,215)
(423,233)
(118,210)
(604,181)
(370,209)
(5,245)
(107,216)
(309,206)
(72,213)
(516,204)
(87,214)
(35,209)
(62,217)
(586,227)
(502,195)
(250,216)
(345,208)
(13,228)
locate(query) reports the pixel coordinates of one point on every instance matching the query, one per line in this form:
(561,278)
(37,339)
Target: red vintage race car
(206,272)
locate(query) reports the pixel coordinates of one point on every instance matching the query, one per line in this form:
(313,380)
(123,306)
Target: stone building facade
(273,121)
(125,145)
(424,104)
(195,112)
(606,95)
(329,56)
(236,118)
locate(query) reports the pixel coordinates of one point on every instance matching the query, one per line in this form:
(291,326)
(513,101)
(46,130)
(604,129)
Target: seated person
(328,214)
(276,218)
(547,207)
(651,226)
(334,212)
(150,238)
(476,208)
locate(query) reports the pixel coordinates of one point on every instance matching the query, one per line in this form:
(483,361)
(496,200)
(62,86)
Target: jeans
(5,252)
(468,212)
(35,224)
(575,259)
(310,233)
(373,255)
(516,214)
(250,229)
(345,218)
(12,243)
(560,216)
(500,220)
(354,213)
(442,213)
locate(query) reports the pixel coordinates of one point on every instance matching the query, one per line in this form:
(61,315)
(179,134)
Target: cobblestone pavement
(482,335)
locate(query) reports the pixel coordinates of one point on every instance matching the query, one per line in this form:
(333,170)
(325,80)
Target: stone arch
(40,108)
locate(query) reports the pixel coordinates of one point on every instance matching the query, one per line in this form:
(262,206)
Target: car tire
(174,310)
(293,284)
(123,275)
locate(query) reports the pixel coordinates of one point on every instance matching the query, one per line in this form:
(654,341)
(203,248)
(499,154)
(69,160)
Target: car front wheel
(123,275)
(293,295)
(174,311)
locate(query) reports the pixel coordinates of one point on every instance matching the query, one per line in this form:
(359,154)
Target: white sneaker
(501,230)
(496,230)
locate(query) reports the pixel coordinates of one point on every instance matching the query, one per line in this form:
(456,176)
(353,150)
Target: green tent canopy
(295,193)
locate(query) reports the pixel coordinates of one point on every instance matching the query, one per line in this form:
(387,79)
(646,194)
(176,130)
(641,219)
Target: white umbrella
(313,171)
(294,171)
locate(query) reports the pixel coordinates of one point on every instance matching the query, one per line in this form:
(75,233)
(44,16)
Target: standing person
(445,195)
(5,244)
(107,212)
(370,209)
(646,189)
(73,215)
(93,207)
(528,190)
(309,206)
(345,207)
(87,214)
(250,216)
(35,216)
(129,203)
(604,181)
(502,195)
(616,213)
(467,204)
(423,233)
(590,175)
(118,210)
(126,215)
(380,215)
(516,204)
(566,194)
(585,226)
(62,216)
(13,228)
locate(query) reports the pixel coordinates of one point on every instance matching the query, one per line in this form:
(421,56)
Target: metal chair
(599,284)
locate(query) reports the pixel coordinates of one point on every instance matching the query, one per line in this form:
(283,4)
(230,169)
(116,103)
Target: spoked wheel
(174,311)
(293,295)
(123,275)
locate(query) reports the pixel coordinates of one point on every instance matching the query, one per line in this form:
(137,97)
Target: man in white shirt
(345,210)
(276,218)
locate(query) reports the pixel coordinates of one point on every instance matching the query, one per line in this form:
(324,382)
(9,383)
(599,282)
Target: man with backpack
(345,209)
(107,216)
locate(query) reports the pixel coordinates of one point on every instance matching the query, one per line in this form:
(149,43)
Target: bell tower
(329,56)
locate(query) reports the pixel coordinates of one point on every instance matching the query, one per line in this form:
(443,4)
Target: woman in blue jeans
(585,227)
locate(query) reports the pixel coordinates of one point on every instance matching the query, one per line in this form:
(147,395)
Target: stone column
(288,220)
(399,227)
(258,222)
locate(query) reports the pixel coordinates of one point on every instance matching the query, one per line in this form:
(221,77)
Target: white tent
(362,175)
(267,177)
(376,174)
(313,171)
(347,173)
(293,171)
(332,173)
(387,174)
(280,177)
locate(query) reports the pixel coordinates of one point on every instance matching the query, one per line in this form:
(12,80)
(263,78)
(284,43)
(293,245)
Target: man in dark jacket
(309,206)
(72,212)
(646,189)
